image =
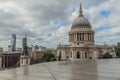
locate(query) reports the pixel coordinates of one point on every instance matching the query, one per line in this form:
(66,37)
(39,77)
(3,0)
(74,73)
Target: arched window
(78,55)
(85,54)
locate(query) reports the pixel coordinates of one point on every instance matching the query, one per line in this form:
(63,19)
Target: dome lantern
(80,11)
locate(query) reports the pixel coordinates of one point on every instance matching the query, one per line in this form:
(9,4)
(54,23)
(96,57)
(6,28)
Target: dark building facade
(9,59)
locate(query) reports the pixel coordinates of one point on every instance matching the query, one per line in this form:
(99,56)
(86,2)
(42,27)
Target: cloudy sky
(47,22)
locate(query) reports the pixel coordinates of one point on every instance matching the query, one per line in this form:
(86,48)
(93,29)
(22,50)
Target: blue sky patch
(103,28)
(73,9)
(57,23)
(105,13)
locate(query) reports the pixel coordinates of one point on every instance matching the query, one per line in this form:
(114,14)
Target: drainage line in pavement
(50,72)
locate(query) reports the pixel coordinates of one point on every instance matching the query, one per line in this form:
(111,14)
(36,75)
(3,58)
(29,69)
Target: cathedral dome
(81,21)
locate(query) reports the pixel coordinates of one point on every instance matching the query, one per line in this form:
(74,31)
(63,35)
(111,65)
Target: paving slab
(102,69)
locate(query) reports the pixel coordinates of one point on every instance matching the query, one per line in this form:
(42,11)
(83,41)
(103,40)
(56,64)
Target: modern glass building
(24,46)
(24,42)
(13,42)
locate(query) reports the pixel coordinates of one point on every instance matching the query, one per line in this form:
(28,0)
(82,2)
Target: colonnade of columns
(81,36)
(81,28)
(82,55)
(90,36)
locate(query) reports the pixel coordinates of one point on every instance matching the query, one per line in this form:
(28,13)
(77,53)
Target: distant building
(24,59)
(36,55)
(54,51)
(9,59)
(1,49)
(81,42)
(24,46)
(13,42)
(18,49)
(39,48)
(29,49)
(37,52)
(24,42)
(9,48)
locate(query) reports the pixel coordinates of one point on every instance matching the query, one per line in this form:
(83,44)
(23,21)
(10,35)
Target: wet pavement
(107,69)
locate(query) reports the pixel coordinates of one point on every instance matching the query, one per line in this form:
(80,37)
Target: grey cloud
(38,15)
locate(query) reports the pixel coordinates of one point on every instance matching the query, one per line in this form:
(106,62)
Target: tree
(117,49)
(52,59)
(48,57)
(35,61)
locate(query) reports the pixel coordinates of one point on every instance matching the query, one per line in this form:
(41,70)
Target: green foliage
(34,61)
(31,61)
(48,57)
(52,59)
(118,44)
(117,50)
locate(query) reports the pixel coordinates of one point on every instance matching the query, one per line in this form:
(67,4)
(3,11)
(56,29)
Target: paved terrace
(108,69)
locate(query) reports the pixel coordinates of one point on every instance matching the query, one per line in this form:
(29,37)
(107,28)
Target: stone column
(81,56)
(81,36)
(91,37)
(88,36)
(72,37)
(73,55)
(76,37)
(84,37)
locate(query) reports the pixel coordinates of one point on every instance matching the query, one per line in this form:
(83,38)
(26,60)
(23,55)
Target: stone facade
(36,55)
(81,42)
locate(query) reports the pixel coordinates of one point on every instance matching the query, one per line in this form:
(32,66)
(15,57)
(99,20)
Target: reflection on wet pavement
(108,69)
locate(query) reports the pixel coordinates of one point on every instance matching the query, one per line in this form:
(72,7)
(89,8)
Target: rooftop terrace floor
(107,69)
